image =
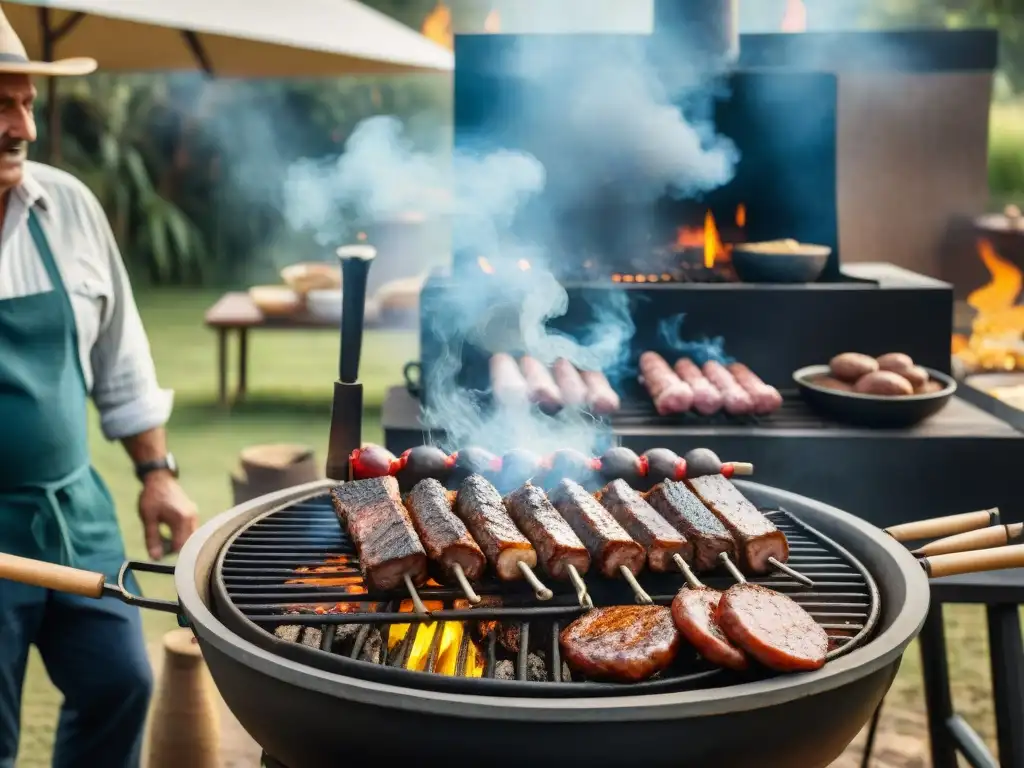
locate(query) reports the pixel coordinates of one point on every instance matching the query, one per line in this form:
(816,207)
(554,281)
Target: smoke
(599,117)
(670,332)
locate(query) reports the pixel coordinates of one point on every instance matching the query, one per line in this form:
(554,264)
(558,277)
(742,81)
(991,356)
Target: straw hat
(14,60)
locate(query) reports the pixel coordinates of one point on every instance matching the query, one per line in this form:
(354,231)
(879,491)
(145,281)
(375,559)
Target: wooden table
(237,312)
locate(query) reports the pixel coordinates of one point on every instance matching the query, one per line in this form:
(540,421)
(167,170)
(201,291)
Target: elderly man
(69,329)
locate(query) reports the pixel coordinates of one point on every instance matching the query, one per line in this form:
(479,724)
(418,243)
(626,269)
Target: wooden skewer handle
(974,562)
(60,578)
(944,526)
(983,538)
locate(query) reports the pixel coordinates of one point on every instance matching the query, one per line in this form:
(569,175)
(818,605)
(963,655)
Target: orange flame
(996,332)
(707,238)
(712,242)
(795,17)
(741,215)
(485,265)
(438,26)
(492,24)
(447,660)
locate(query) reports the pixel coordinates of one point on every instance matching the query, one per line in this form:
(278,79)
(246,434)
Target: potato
(916,375)
(895,361)
(930,387)
(850,366)
(830,383)
(883,383)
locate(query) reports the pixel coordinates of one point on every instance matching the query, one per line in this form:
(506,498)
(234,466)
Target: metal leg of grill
(869,742)
(936,689)
(1006,653)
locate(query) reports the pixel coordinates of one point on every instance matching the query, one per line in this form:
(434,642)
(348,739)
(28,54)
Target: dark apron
(53,505)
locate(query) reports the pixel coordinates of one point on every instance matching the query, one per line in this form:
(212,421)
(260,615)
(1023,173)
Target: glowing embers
(996,341)
(443,648)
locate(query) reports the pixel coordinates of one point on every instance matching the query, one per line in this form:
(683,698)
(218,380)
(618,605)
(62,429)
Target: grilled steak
(380,528)
(693,611)
(756,537)
(772,628)
(649,529)
(607,541)
(443,534)
(479,505)
(628,643)
(556,544)
(705,532)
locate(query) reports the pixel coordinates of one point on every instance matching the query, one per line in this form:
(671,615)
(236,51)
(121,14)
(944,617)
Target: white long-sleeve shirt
(114,350)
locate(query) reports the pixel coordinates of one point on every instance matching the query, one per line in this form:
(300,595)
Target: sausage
(542,389)
(601,398)
(706,535)
(507,383)
(734,398)
(693,611)
(706,398)
(570,383)
(441,531)
(669,393)
(766,398)
(645,525)
(772,628)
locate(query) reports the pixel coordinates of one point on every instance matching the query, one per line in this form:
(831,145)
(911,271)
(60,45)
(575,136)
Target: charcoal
(312,637)
(289,633)
(505,670)
(372,648)
(536,669)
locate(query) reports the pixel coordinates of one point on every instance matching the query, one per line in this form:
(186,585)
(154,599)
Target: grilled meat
(556,544)
(693,611)
(381,530)
(757,539)
(649,529)
(607,541)
(479,505)
(627,643)
(705,532)
(772,628)
(443,534)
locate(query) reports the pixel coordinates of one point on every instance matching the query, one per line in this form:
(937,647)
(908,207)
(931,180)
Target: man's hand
(163,501)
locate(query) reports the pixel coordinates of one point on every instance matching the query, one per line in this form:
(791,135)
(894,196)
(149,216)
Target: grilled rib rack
(259,589)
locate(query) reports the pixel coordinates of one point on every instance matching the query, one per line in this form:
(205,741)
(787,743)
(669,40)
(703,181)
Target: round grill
(289,582)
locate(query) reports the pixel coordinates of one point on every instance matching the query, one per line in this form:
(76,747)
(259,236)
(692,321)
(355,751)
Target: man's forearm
(150,445)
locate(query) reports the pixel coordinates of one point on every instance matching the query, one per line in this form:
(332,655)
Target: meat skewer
(570,383)
(444,536)
(706,397)
(542,388)
(669,393)
(693,610)
(760,544)
(770,626)
(624,642)
(735,399)
(390,552)
(645,525)
(610,547)
(507,382)
(766,398)
(479,505)
(559,549)
(706,534)
(601,398)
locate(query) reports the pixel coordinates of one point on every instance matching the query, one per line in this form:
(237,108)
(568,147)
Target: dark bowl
(757,266)
(872,410)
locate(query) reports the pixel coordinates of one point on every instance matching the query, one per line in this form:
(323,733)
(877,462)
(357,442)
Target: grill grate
(794,414)
(293,574)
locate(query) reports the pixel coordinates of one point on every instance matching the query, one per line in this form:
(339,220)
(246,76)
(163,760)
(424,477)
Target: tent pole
(47,41)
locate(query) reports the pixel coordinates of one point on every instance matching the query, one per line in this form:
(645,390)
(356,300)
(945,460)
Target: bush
(1006,153)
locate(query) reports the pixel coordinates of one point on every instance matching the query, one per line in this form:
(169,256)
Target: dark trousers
(95,654)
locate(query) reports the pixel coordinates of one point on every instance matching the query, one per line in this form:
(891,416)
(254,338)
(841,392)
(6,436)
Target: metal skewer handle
(542,593)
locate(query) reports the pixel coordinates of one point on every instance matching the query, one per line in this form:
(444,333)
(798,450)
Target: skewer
(688,574)
(581,587)
(414,595)
(779,565)
(467,588)
(541,592)
(641,594)
(731,567)
(737,468)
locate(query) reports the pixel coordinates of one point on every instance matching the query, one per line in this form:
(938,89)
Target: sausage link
(507,383)
(706,398)
(735,399)
(669,393)
(601,398)
(570,383)
(766,398)
(542,388)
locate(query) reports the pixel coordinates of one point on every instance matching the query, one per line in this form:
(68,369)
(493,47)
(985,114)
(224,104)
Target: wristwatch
(167,462)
